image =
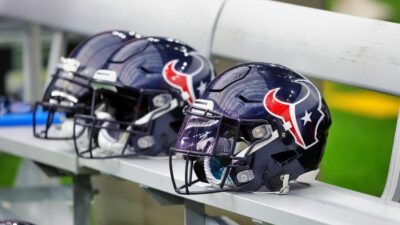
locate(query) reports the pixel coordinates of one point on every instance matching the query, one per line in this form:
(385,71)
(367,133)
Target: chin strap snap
(284,189)
(285,184)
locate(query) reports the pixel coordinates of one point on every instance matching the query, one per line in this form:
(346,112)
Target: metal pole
(31,60)
(194,213)
(82,199)
(57,49)
(392,187)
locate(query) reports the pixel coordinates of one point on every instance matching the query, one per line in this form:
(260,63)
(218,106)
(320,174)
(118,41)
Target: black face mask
(122,125)
(67,94)
(207,141)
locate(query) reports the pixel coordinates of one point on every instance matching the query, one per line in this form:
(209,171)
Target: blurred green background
(361,136)
(360,139)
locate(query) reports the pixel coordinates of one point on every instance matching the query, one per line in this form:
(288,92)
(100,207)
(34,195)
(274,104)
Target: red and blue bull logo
(179,80)
(191,83)
(302,117)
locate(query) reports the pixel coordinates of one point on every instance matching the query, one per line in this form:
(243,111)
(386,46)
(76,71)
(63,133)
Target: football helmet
(69,91)
(140,93)
(256,127)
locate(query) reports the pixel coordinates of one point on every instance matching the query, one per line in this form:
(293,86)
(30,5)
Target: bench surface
(20,141)
(316,204)
(319,203)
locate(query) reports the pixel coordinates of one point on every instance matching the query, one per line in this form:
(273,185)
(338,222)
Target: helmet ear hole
(284,157)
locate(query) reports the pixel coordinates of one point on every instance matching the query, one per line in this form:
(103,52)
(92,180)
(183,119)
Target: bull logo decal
(183,81)
(301,118)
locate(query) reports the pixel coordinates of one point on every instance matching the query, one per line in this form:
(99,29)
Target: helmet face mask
(120,119)
(258,127)
(216,148)
(60,102)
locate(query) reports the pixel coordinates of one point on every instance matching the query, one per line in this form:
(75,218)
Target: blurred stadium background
(361,137)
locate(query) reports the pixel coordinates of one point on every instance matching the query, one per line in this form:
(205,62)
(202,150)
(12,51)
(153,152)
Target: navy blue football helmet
(140,93)
(69,91)
(257,127)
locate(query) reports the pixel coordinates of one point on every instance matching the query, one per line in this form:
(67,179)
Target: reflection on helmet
(256,127)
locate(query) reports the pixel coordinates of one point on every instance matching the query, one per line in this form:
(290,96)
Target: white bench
(321,44)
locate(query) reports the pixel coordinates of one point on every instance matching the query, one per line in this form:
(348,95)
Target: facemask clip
(162,100)
(145,142)
(262,131)
(245,176)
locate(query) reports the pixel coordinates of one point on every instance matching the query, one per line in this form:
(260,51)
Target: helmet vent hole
(246,100)
(145,70)
(279,75)
(284,157)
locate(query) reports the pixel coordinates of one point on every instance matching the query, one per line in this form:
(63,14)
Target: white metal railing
(392,187)
(326,45)
(189,20)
